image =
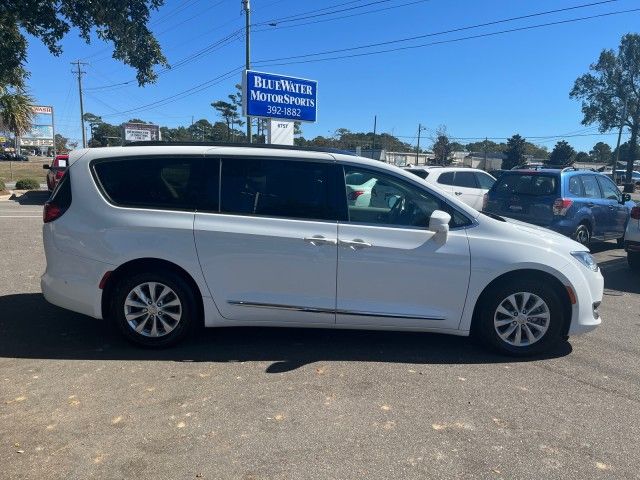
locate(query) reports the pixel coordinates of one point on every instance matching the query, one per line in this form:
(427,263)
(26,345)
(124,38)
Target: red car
(56,170)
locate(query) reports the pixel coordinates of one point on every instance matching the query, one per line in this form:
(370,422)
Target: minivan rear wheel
(521,318)
(154,309)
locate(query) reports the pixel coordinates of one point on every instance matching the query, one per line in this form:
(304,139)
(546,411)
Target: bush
(2,186)
(27,184)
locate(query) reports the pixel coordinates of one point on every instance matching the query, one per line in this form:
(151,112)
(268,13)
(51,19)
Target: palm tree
(16,114)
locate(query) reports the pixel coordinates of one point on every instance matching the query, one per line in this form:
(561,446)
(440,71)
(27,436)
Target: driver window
(387,200)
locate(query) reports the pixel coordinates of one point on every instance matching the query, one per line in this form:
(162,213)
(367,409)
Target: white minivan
(162,238)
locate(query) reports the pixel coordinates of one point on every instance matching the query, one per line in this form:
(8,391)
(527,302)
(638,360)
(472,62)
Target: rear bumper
(71,282)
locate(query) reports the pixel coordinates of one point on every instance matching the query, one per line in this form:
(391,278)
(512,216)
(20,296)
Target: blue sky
(493,86)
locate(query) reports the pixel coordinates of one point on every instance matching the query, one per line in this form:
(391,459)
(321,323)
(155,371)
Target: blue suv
(581,204)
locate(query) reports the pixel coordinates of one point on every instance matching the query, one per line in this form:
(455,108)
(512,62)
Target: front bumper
(589,292)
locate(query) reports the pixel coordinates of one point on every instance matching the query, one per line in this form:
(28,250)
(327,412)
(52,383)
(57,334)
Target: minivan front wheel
(521,318)
(154,309)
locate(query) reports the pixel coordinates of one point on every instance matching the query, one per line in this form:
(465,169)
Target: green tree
(442,148)
(562,154)
(486,145)
(613,81)
(515,152)
(601,153)
(16,114)
(229,113)
(536,151)
(61,143)
(582,157)
(122,23)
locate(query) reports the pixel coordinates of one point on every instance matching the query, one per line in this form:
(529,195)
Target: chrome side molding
(296,308)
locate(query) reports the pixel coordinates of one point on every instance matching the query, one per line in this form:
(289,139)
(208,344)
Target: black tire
(633,259)
(485,330)
(181,290)
(582,235)
(620,242)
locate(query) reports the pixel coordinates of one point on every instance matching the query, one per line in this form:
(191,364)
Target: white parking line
(20,216)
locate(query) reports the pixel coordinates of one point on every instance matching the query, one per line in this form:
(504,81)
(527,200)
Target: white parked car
(468,184)
(632,239)
(160,239)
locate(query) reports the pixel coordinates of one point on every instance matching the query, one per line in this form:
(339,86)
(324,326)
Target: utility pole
(373,142)
(247,11)
(485,153)
(615,167)
(79,72)
(420,129)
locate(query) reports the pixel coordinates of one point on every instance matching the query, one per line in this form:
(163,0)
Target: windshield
(527,184)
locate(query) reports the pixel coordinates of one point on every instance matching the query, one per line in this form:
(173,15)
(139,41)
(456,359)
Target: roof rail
(227,144)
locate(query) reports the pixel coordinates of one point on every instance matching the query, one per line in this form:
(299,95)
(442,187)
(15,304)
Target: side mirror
(626,197)
(46,167)
(439,223)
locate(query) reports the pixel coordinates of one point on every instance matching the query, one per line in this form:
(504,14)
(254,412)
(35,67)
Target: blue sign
(271,95)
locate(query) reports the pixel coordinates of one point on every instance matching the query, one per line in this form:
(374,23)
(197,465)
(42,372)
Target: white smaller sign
(133,135)
(41,109)
(280,132)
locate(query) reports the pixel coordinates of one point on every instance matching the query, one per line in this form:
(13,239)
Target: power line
(315,13)
(444,32)
(217,45)
(341,17)
(274,62)
(179,96)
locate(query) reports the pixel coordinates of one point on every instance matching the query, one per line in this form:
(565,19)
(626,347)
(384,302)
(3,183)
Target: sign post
(281,99)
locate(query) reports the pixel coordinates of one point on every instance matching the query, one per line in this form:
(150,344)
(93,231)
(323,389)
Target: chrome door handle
(355,244)
(320,240)
(458,193)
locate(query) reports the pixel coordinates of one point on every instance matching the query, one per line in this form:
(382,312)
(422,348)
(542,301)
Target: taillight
(635,213)
(485,201)
(561,205)
(59,174)
(355,194)
(51,212)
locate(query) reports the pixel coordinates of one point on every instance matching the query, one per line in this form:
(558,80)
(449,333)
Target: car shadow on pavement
(32,328)
(618,277)
(32,197)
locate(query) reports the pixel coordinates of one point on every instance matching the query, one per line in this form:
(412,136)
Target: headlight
(587,260)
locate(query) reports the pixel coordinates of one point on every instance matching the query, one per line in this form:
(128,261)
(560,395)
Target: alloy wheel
(152,309)
(521,319)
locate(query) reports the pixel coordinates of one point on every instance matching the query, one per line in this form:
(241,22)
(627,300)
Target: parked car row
(13,157)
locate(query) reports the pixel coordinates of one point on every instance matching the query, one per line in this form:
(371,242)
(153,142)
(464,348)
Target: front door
(616,211)
(392,271)
(268,249)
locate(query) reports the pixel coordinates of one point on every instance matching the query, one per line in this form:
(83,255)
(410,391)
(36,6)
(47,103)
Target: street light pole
(420,129)
(247,10)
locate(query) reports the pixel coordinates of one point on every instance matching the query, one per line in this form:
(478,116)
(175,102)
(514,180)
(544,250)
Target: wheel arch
(144,264)
(528,273)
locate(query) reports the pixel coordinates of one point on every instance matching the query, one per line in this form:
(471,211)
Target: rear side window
(575,187)
(465,179)
(156,182)
(446,178)
(485,181)
(591,189)
(527,184)
(282,188)
(61,195)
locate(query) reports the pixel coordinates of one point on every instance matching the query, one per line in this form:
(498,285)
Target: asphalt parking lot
(76,401)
